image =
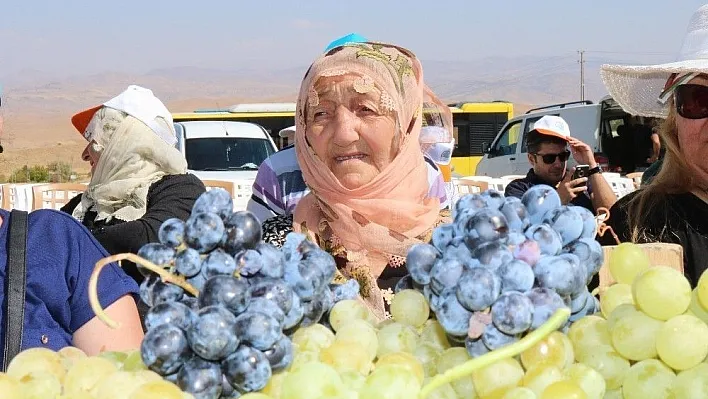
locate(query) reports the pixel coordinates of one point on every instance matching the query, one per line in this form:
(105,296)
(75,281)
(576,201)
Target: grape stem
(603,214)
(166,276)
(465,369)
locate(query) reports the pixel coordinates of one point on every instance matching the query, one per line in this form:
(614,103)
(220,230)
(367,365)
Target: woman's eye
(367,110)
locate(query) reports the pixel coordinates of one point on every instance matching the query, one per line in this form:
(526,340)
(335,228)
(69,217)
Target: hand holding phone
(580,171)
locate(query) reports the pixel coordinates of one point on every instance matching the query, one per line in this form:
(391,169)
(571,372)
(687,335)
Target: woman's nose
(85,155)
(345,124)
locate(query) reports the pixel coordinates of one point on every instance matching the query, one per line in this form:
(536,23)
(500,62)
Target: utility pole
(582,75)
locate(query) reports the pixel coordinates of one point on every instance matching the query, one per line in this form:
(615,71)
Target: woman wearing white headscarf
(138,178)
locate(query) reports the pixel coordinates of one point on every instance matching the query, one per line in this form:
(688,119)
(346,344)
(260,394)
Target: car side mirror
(485,148)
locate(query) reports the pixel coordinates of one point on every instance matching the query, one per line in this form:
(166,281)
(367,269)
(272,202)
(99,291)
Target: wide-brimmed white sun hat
(637,89)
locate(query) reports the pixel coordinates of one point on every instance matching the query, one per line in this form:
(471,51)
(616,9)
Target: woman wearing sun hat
(674,206)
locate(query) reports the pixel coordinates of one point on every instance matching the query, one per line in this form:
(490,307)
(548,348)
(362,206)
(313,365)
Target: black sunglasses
(692,101)
(550,158)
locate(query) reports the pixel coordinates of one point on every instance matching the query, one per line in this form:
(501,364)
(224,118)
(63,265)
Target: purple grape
(590,254)
(516,275)
(445,274)
(512,313)
(475,347)
(566,222)
(218,263)
(248,262)
(556,273)
(247,369)
(198,281)
(243,231)
(273,260)
(579,273)
(494,339)
(296,313)
(203,231)
(350,288)
(485,226)
(538,200)
(165,349)
(515,238)
(420,260)
(443,236)
(146,289)
(213,335)
(492,254)
(188,262)
(589,222)
(548,240)
(274,290)
(201,378)
(226,291)
(157,253)
(321,260)
(267,307)
(217,201)
(171,232)
(469,202)
(174,313)
(166,292)
(477,289)
(493,198)
(545,303)
(313,310)
(453,317)
(257,330)
(280,356)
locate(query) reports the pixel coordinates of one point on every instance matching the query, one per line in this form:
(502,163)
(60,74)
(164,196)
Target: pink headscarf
(377,222)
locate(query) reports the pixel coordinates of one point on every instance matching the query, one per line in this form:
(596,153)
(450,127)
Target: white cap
(288,131)
(552,125)
(141,104)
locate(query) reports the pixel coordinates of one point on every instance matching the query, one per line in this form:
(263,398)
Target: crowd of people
(367,177)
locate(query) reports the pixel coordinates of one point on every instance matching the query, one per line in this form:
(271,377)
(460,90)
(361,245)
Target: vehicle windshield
(226,153)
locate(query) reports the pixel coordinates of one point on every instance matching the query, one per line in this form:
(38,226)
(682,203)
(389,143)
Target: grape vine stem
(554,323)
(166,276)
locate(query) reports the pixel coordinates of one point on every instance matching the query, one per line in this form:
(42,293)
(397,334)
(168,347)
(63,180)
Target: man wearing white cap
(548,155)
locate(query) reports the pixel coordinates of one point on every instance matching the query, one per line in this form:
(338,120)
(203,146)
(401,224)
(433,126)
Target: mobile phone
(580,171)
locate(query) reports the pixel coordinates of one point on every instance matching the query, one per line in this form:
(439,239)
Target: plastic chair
(54,196)
(226,185)
(469,186)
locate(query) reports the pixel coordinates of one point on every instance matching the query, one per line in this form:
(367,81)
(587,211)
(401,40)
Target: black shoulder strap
(16,284)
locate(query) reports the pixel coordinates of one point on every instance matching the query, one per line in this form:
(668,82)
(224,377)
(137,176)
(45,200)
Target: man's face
(555,171)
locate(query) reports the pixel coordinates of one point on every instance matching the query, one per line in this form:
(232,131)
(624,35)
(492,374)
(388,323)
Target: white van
(225,150)
(594,124)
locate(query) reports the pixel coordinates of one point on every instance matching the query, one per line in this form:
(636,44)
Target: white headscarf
(132,158)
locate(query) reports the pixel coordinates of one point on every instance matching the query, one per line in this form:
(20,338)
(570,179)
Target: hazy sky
(77,37)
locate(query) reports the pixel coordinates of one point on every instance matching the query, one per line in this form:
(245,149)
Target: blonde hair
(674,177)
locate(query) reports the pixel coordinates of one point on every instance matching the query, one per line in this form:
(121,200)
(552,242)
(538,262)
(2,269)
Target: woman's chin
(352,181)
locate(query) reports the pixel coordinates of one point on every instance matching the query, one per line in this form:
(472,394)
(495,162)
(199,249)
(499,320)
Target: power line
(582,75)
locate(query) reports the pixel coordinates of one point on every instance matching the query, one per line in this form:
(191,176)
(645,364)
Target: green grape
(116,357)
(497,378)
(627,261)
(662,292)
(396,337)
(346,356)
(148,375)
(10,387)
(390,381)
(362,333)
(36,360)
(443,392)
(619,313)
(554,350)
(587,334)
(464,387)
(589,380)
(406,360)
(133,362)
(313,338)
(352,380)
(648,379)
(69,355)
(86,373)
(106,387)
(540,377)
(305,357)
(312,381)
(40,385)
(614,394)
(434,334)
(275,384)
(614,296)
(349,309)
(702,290)
(519,393)
(634,336)
(255,395)
(157,389)
(428,356)
(692,383)
(563,389)
(609,364)
(410,307)
(696,308)
(77,395)
(682,342)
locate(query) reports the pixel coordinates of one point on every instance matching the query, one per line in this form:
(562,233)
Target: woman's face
(90,155)
(693,140)
(350,132)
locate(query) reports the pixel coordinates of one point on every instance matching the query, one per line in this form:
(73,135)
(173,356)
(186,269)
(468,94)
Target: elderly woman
(138,178)
(674,206)
(359,117)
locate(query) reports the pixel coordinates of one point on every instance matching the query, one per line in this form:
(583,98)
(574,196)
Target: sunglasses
(548,159)
(692,101)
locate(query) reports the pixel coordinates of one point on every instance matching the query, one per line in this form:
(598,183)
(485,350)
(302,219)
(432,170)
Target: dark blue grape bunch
(504,265)
(225,303)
